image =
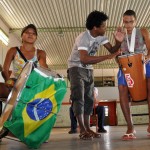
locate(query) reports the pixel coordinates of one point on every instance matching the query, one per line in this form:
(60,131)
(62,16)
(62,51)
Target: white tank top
(18,64)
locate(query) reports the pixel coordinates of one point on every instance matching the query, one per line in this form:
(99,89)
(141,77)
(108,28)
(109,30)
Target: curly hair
(95,18)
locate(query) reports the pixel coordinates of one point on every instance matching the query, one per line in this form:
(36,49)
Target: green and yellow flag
(35,114)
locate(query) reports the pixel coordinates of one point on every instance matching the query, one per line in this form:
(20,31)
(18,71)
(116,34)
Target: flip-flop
(129,136)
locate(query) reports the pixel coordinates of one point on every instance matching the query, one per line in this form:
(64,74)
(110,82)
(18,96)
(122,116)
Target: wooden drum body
(134,70)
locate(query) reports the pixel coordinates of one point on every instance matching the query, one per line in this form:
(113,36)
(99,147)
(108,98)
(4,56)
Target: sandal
(129,136)
(85,136)
(94,134)
(4,132)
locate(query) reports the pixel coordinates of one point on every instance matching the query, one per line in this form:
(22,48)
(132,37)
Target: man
(81,70)
(73,121)
(29,36)
(99,110)
(142,38)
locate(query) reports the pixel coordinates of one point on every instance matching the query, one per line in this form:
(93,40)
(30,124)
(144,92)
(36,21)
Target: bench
(139,111)
(133,103)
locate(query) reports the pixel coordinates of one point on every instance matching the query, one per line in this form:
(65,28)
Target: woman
(18,56)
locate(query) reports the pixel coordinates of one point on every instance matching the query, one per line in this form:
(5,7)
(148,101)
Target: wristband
(10,82)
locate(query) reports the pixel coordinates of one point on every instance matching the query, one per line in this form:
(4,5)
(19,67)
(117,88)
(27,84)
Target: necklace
(132,42)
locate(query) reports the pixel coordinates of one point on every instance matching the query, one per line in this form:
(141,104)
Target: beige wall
(13,41)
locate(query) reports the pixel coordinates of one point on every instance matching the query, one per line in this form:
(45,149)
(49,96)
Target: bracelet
(10,81)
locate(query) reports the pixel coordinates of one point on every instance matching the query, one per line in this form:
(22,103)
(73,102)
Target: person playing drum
(140,39)
(18,56)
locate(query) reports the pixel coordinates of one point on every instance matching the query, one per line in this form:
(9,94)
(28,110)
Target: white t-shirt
(85,42)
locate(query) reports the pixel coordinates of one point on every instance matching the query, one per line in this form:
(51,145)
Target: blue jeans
(73,119)
(100,111)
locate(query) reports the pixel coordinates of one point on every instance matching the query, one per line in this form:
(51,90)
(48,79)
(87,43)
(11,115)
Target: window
(3,37)
(104,81)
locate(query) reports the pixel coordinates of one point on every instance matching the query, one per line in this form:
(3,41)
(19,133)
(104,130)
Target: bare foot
(131,130)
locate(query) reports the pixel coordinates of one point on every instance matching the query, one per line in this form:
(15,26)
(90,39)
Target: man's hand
(119,34)
(10,83)
(113,55)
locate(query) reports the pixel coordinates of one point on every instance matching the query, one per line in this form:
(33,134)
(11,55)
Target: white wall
(13,41)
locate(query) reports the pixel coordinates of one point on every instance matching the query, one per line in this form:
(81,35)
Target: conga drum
(37,97)
(133,68)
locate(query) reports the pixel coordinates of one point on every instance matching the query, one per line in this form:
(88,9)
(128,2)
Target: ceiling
(60,21)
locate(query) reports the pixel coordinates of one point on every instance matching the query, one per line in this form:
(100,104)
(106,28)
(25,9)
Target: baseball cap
(32,26)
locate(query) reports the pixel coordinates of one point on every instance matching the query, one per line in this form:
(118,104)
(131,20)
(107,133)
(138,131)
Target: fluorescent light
(3,37)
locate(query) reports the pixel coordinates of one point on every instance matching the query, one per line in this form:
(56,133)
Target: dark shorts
(82,87)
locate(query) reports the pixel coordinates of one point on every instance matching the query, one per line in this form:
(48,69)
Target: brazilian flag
(35,113)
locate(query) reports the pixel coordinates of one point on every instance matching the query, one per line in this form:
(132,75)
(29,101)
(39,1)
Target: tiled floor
(61,140)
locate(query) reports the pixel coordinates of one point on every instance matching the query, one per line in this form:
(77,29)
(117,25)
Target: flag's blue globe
(39,108)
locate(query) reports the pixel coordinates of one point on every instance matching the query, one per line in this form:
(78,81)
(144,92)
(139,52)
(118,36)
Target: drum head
(49,72)
(15,93)
(130,54)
